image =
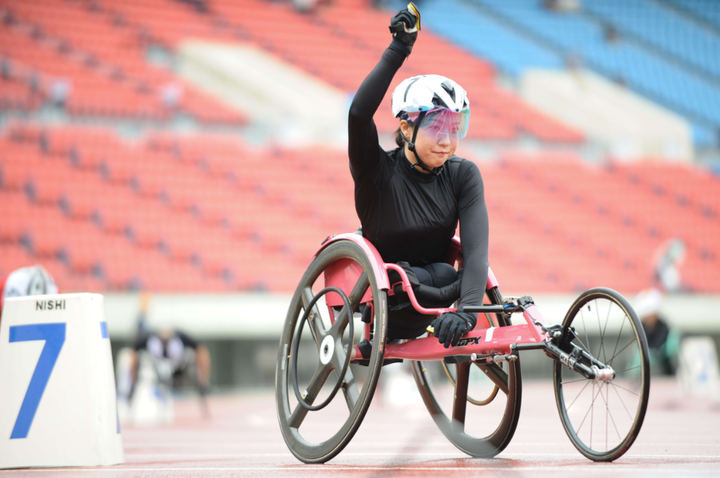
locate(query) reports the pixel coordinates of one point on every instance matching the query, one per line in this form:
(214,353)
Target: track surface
(680,437)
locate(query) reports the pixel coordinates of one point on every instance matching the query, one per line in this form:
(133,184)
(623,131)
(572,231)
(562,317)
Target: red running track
(680,437)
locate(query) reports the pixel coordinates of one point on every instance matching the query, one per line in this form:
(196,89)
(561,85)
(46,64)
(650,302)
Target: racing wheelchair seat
(404,320)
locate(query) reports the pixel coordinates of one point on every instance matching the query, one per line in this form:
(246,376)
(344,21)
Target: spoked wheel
(603,417)
(321,401)
(475,406)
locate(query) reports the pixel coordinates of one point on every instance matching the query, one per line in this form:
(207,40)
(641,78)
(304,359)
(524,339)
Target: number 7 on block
(54,337)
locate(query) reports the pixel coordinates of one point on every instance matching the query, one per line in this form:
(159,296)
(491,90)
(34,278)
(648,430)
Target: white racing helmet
(427,92)
(441,102)
(436,99)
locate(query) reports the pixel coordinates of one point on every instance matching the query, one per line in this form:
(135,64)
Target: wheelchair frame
(359,276)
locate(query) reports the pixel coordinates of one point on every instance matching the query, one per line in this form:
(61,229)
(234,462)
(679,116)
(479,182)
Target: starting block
(57,387)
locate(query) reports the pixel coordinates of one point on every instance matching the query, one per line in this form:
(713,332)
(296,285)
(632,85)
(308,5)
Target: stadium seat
(149,203)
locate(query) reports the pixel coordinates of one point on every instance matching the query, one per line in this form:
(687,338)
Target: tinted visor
(443,122)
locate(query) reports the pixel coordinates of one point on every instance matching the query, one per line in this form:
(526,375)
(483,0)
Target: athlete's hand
(450,326)
(405,25)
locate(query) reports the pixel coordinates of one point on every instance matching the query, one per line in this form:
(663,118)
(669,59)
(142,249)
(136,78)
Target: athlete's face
(433,147)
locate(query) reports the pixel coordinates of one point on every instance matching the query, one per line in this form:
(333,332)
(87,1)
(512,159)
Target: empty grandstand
(132,160)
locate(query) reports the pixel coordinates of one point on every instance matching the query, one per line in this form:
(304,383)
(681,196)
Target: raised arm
(362,133)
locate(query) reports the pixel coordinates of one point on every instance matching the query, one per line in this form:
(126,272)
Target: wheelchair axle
(577,359)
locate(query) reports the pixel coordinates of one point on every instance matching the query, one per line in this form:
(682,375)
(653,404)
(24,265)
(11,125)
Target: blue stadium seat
(662,28)
(644,64)
(706,10)
(485,36)
(567,31)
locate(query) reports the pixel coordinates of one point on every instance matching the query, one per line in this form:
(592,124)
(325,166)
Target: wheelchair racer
(410,199)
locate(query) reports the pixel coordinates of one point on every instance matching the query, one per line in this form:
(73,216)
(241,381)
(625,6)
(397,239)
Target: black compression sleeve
(474,236)
(363,147)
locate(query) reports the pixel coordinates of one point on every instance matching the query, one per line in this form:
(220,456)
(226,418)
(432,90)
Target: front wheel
(602,418)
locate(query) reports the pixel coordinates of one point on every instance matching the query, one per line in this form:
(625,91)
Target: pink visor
(443,122)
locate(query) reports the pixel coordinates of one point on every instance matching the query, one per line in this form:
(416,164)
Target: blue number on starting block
(54,337)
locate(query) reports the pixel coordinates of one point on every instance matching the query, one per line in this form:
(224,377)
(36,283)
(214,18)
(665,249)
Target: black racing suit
(408,215)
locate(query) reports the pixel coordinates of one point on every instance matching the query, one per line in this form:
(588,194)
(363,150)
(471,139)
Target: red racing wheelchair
(335,342)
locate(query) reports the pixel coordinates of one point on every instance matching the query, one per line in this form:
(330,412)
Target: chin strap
(411,147)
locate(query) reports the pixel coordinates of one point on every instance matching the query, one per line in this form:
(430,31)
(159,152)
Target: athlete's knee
(422,275)
(441,274)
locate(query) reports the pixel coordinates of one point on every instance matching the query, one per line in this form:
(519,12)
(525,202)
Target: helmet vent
(437,101)
(450,90)
(407,90)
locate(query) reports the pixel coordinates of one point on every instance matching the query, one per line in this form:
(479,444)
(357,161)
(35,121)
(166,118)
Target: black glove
(397,27)
(450,326)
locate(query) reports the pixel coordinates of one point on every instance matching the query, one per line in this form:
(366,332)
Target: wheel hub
(606,374)
(327,348)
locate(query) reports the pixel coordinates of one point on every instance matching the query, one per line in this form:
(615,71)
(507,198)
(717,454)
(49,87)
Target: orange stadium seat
(88,47)
(206,211)
(17,95)
(15,256)
(15,212)
(561,211)
(623,221)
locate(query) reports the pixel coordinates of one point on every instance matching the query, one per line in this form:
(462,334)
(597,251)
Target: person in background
(33,280)
(160,357)
(668,260)
(184,356)
(663,341)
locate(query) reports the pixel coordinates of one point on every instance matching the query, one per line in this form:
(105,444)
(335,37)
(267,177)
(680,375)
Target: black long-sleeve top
(408,215)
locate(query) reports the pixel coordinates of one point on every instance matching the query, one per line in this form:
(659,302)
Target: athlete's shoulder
(462,165)
(457,160)
(393,153)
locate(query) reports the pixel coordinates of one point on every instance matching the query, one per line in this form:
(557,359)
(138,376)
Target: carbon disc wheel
(480,431)
(318,423)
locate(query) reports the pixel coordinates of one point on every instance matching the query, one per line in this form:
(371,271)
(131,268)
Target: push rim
(495,389)
(474,401)
(324,350)
(603,418)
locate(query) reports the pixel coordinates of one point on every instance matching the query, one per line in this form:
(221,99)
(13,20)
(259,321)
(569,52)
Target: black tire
(499,419)
(603,418)
(294,418)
